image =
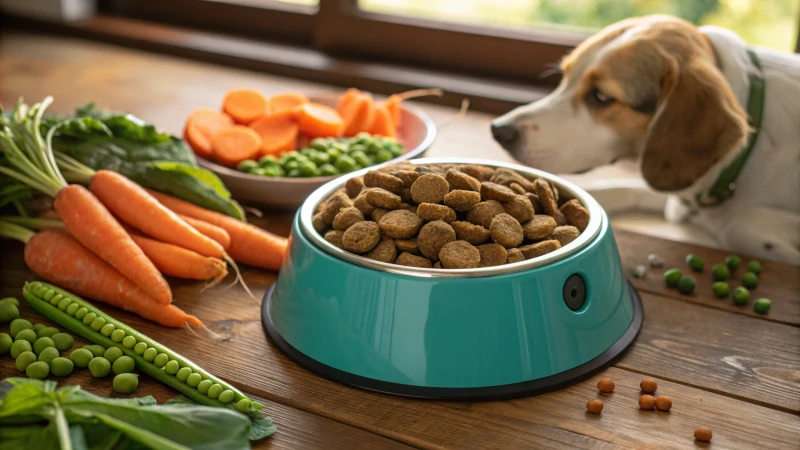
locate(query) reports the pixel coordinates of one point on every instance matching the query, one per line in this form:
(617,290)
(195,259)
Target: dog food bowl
(469,334)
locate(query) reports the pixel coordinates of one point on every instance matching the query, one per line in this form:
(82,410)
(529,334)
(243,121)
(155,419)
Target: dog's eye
(596,97)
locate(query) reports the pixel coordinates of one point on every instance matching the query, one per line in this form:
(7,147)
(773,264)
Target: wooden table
(723,366)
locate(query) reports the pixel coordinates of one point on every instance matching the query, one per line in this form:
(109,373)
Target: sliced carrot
(393,103)
(347,97)
(200,126)
(179,262)
(93,226)
(212,231)
(249,244)
(383,125)
(235,144)
(318,120)
(284,104)
(278,134)
(358,114)
(60,259)
(244,105)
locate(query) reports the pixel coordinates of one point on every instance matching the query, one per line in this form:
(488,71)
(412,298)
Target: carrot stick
(212,231)
(284,104)
(201,125)
(317,120)
(235,144)
(244,105)
(278,134)
(60,259)
(249,244)
(358,113)
(383,125)
(133,205)
(94,226)
(179,262)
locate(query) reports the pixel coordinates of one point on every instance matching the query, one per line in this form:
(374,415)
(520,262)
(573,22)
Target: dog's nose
(504,134)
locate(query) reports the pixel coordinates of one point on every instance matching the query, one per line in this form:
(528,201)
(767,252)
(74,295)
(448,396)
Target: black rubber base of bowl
(506,391)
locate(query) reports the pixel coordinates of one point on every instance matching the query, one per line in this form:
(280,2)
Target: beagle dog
(711,124)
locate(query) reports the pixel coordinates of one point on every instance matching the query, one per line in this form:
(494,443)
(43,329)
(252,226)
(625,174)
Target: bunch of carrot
(117,239)
(251,125)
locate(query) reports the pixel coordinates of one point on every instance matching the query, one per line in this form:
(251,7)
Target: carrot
(212,231)
(383,125)
(393,103)
(179,262)
(358,113)
(317,120)
(284,104)
(348,96)
(60,259)
(201,125)
(249,244)
(94,226)
(235,144)
(278,134)
(244,105)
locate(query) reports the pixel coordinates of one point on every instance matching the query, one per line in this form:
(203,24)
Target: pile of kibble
(449,216)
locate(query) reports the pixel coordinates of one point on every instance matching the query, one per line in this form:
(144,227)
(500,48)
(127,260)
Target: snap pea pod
(36,294)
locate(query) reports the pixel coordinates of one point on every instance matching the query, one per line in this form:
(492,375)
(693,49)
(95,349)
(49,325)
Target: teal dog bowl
(471,334)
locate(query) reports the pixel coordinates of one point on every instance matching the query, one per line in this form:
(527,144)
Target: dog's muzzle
(505,135)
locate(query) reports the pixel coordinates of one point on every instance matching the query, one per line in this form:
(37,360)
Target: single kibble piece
(720,289)
(81,357)
(48,354)
(354,186)
(99,367)
(647,401)
(506,231)
(430,211)
(703,434)
(519,208)
(391,183)
(125,383)
(335,237)
(565,234)
(437,265)
(539,227)
(408,177)
(361,237)
(720,272)
(606,385)
(559,218)
(41,344)
(407,245)
(405,196)
(433,236)
(407,259)
(672,276)
(381,198)
(61,367)
(26,335)
(333,206)
(24,360)
(474,234)
(754,266)
(461,200)
(480,173)
(537,205)
(363,205)
(686,284)
(663,403)
(750,280)
(547,196)
(741,296)
(385,251)
(539,248)
(461,181)
(498,192)
(400,224)
(594,406)
(576,214)
(639,271)
(492,255)
(38,370)
(483,213)
(762,305)
(507,177)
(347,217)
(517,188)
(694,262)
(123,364)
(459,255)
(648,385)
(733,262)
(429,188)
(514,256)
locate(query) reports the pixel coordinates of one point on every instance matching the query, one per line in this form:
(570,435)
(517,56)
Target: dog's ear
(697,122)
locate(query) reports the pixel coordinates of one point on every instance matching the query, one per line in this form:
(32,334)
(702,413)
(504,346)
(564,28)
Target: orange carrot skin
(93,226)
(60,259)
(134,206)
(393,105)
(179,262)
(212,231)
(383,125)
(249,244)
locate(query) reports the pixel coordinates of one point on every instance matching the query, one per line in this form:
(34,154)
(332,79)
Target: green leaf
(262,425)
(77,438)
(25,399)
(28,437)
(203,175)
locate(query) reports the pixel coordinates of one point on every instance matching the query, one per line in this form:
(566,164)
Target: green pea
(61,367)
(256,406)
(38,370)
(97,324)
(95,350)
(214,391)
(762,305)
(161,360)
(720,272)
(288,156)
(64,304)
(733,262)
(81,357)
(226,396)
(370,149)
(672,276)
(396,149)
(63,341)
(686,284)
(203,386)
(345,164)
(42,343)
(24,360)
(8,312)
(183,373)
(48,294)
(125,383)
(268,160)
(294,173)
(26,335)
(88,319)
(361,158)
(320,158)
(123,364)
(243,405)
(720,289)
(10,300)
(20,346)
(172,367)
(18,325)
(694,262)
(383,155)
(47,332)
(246,165)
(48,354)
(274,171)
(750,280)
(259,171)
(320,144)
(139,348)
(334,153)
(5,343)
(99,367)
(291,165)
(194,379)
(56,299)
(307,169)
(150,354)
(37,327)
(741,296)
(118,335)
(81,313)
(107,329)
(112,354)
(754,266)
(128,341)
(72,309)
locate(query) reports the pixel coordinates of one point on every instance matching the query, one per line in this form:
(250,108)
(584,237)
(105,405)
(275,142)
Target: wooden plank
(778,282)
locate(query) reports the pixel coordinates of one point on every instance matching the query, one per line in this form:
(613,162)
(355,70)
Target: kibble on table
(594,406)
(703,434)
(663,403)
(647,401)
(648,385)
(606,385)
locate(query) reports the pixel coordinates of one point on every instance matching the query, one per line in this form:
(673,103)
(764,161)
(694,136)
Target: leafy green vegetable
(70,418)
(261,424)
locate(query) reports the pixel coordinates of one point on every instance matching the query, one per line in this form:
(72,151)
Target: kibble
(506,231)
(483,213)
(576,214)
(594,406)
(400,224)
(429,188)
(648,385)
(383,180)
(547,196)
(385,251)
(381,198)
(492,255)
(474,234)
(539,227)
(459,255)
(539,248)
(354,186)
(459,180)
(361,237)
(498,192)
(647,402)
(515,256)
(430,211)
(663,403)
(606,385)
(433,236)
(519,208)
(703,434)
(347,217)
(407,259)
(407,245)
(565,234)
(461,200)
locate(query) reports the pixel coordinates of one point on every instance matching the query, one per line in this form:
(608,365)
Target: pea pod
(36,292)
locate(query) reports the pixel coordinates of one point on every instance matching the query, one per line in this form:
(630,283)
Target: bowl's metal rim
(597,218)
(427,142)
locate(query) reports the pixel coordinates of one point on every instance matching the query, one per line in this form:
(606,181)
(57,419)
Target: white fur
(763,216)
